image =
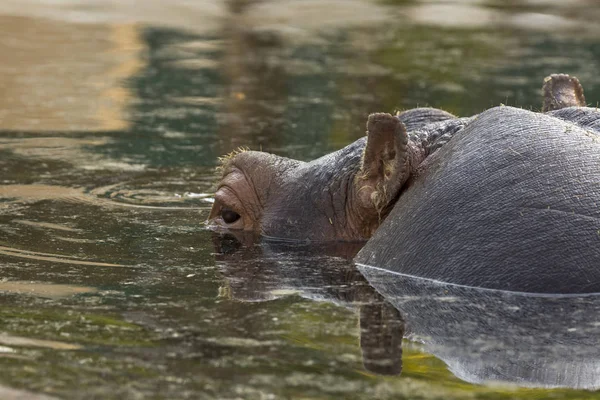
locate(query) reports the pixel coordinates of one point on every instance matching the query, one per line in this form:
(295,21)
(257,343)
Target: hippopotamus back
(512,203)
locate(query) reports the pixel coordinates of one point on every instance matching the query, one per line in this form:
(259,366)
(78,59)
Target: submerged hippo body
(508,199)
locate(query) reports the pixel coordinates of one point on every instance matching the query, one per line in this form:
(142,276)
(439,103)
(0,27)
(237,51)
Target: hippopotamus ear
(385,165)
(560,91)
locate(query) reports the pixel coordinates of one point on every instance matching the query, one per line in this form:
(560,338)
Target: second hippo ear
(385,165)
(560,91)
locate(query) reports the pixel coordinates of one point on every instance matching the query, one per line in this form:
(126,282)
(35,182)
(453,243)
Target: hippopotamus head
(344,195)
(341,196)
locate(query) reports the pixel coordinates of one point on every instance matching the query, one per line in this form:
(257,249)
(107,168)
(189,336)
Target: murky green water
(112,117)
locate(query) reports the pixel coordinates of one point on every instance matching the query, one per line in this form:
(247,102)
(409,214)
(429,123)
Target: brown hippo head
(341,196)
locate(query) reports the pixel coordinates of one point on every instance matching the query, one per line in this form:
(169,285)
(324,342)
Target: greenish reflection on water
(109,133)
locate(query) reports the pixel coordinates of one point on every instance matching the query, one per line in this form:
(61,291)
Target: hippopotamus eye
(229,216)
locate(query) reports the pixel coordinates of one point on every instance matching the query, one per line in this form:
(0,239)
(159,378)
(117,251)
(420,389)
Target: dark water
(112,117)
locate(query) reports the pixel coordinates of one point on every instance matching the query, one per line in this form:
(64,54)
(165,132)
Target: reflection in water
(33,193)
(482,335)
(494,336)
(257,86)
(281,79)
(57,258)
(61,77)
(14,394)
(112,116)
(22,341)
(49,290)
(46,225)
(381,334)
(262,271)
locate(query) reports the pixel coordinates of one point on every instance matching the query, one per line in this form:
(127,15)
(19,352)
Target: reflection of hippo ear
(381,332)
(386,162)
(562,91)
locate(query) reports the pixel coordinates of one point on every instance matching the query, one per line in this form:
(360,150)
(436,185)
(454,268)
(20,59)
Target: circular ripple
(174,194)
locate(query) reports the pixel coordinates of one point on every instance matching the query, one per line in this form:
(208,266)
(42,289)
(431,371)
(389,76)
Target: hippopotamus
(508,199)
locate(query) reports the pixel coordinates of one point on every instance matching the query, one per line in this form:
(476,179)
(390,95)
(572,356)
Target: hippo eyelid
(224,196)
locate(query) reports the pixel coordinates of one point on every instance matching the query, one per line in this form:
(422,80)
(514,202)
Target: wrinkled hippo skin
(511,203)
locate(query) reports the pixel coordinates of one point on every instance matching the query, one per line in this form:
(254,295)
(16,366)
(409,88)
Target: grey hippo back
(511,203)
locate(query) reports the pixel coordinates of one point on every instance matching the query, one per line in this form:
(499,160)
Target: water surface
(112,117)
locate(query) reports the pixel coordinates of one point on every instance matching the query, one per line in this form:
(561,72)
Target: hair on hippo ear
(560,91)
(386,163)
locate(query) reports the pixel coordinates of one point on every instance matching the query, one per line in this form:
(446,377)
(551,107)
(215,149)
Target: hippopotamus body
(511,203)
(508,199)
